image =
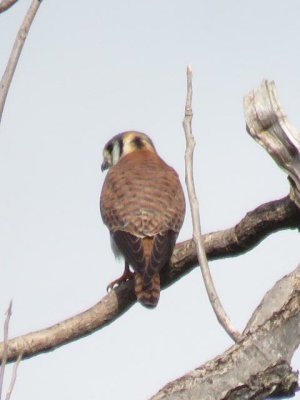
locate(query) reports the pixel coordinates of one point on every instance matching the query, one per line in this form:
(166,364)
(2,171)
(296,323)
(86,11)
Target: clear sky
(91,70)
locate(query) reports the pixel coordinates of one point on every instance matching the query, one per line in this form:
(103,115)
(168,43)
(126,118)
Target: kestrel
(143,206)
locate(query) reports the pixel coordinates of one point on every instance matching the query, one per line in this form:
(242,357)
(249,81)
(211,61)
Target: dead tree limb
(6,4)
(268,125)
(5,342)
(15,53)
(249,232)
(4,358)
(194,206)
(13,377)
(259,364)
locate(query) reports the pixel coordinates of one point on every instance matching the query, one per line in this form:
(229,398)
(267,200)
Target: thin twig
(13,377)
(6,4)
(190,145)
(5,350)
(15,53)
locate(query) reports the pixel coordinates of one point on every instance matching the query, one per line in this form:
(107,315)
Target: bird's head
(123,144)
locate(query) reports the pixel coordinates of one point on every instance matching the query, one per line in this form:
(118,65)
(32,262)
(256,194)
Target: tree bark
(268,125)
(258,365)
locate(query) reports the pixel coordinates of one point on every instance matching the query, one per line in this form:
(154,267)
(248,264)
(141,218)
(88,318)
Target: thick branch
(248,233)
(6,4)
(258,365)
(251,230)
(194,206)
(269,126)
(15,53)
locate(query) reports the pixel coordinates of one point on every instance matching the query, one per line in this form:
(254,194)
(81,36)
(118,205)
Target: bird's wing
(132,249)
(146,255)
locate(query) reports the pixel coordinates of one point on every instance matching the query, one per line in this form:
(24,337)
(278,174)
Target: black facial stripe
(120,146)
(109,148)
(138,142)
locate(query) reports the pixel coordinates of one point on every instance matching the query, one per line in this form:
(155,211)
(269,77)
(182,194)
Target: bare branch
(113,305)
(6,4)
(189,179)
(5,349)
(15,53)
(13,377)
(269,126)
(249,232)
(258,365)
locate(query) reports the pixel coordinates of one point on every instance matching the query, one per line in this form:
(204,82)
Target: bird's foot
(127,275)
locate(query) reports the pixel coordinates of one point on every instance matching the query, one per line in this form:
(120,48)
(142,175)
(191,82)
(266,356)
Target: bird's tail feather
(147,295)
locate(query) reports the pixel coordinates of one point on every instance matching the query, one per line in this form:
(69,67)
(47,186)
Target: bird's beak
(104,165)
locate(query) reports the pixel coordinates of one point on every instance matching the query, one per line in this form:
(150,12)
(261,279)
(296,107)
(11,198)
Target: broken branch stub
(269,126)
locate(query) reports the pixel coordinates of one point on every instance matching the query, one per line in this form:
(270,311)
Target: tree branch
(13,377)
(250,231)
(5,348)
(268,125)
(258,365)
(15,53)
(6,4)
(4,357)
(197,237)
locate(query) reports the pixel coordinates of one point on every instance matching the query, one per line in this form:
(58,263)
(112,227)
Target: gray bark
(259,364)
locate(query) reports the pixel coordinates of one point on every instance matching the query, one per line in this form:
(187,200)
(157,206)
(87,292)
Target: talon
(127,275)
(112,285)
(109,287)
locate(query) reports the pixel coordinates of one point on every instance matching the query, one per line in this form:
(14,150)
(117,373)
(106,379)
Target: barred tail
(147,295)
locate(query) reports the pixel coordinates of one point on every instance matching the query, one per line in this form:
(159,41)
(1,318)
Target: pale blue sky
(86,73)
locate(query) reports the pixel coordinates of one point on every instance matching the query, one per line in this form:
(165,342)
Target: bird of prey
(143,206)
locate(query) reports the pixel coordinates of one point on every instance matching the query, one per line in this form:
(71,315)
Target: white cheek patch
(126,147)
(115,153)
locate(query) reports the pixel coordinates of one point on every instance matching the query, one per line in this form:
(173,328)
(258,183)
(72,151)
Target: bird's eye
(138,142)
(109,148)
